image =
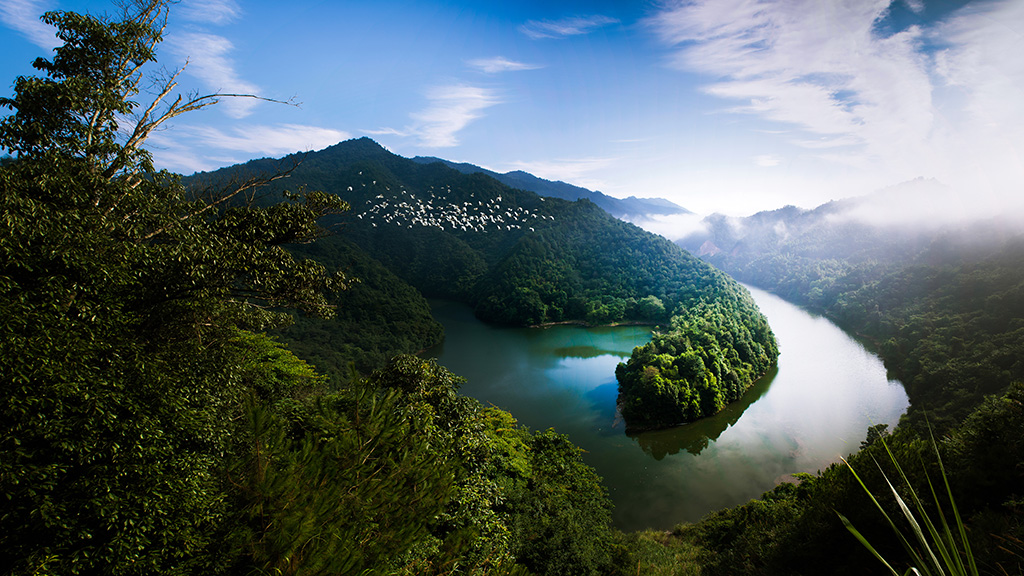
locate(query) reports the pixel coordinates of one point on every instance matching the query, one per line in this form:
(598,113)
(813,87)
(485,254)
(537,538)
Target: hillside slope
(618,207)
(522,259)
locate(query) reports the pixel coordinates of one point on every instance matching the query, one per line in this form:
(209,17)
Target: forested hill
(522,259)
(518,258)
(152,425)
(618,207)
(938,299)
(943,304)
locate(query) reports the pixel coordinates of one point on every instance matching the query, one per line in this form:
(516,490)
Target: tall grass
(934,549)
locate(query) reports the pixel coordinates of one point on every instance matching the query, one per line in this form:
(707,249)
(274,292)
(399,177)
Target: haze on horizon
(729,106)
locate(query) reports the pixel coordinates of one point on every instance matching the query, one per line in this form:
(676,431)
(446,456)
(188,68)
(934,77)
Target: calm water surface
(815,407)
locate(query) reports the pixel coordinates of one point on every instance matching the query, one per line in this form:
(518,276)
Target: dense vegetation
(710,356)
(150,424)
(525,260)
(376,318)
(942,305)
(515,257)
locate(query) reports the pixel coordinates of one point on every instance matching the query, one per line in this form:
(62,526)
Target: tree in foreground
(125,301)
(150,426)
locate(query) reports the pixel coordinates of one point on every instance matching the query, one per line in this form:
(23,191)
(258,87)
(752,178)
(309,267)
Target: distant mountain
(886,226)
(618,207)
(514,256)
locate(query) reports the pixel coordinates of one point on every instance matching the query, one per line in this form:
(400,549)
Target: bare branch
(251,183)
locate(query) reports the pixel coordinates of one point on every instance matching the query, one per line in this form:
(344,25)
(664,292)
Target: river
(816,406)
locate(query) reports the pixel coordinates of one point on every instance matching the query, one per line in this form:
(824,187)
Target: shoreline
(585,324)
(632,431)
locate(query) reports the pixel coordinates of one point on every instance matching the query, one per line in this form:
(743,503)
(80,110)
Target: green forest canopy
(152,426)
(520,259)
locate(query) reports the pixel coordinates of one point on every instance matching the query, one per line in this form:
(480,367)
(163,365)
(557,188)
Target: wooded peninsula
(217,374)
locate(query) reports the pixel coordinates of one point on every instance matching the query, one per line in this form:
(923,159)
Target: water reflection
(696,436)
(582,352)
(815,408)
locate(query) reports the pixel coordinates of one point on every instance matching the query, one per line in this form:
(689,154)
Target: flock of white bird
(432,208)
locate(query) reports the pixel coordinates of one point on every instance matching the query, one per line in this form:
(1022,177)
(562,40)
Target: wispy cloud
(209,60)
(817,65)
(385,132)
(916,6)
(224,147)
(500,64)
(885,103)
(981,65)
(210,11)
(767,160)
(671,226)
(23,16)
(573,26)
(451,109)
(271,140)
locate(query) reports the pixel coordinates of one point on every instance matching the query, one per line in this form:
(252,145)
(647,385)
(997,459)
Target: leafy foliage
(520,496)
(377,318)
(341,484)
(124,300)
(515,257)
(939,306)
(710,356)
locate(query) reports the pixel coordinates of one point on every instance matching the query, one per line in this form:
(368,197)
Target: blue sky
(728,106)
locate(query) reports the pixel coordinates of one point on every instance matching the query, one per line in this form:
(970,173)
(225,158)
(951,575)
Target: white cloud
(816,65)
(500,64)
(916,6)
(210,11)
(23,16)
(767,160)
(889,106)
(451,109)
(982,66)
(203,148)
(274,140)
(209,61)
(573,26)
(385,132)
(672,226)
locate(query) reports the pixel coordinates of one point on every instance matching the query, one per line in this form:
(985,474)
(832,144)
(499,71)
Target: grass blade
(860,537)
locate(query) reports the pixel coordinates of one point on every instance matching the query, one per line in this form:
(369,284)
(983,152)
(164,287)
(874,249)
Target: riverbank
(585,324)
(563,378)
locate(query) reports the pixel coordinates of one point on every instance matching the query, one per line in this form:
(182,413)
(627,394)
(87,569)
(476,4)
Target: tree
(123,297)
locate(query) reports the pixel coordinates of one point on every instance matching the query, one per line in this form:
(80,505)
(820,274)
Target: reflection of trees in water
(696,436)
(584,352)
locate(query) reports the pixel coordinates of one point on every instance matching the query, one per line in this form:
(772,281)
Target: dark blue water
(814,408)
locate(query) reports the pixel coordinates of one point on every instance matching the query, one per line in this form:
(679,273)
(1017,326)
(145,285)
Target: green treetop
(123,299)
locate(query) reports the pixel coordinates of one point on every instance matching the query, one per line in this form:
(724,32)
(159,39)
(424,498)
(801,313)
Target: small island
(709,357)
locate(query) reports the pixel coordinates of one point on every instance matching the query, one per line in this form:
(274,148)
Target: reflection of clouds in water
(607,421)
(585,373)
(657,482)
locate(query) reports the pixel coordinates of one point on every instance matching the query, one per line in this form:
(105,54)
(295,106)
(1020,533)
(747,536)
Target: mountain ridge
(618,207)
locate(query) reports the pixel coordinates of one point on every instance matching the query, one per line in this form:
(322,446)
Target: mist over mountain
(888,225)
(623,208)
